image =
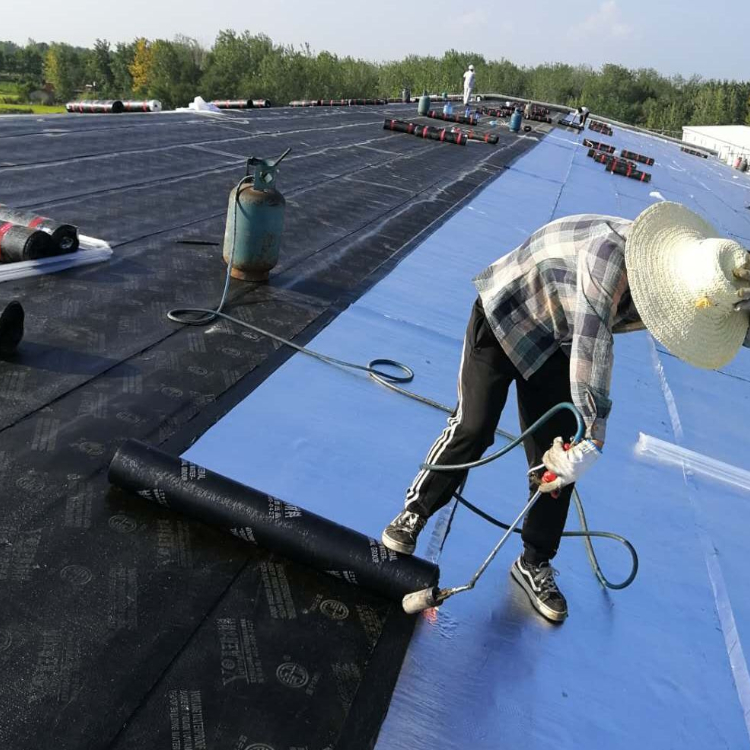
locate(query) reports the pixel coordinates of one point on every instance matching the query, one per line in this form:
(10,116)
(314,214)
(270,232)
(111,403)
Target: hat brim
(655,260)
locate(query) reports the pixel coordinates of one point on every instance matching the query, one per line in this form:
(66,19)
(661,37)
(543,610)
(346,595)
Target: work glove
(568,465)
(743,274)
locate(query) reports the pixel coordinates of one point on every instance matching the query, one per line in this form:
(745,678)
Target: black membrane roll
(19,243)
(64,236)
(290,531)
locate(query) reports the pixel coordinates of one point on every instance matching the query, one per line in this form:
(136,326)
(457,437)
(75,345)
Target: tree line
(245,65)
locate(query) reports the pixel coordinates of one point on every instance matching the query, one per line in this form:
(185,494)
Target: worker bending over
(469,78)
(544,320)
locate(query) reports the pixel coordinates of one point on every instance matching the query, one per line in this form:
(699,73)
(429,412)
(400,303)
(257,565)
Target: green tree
(99,69)
(141,67)
(121,62)
(62,70)
(174,72)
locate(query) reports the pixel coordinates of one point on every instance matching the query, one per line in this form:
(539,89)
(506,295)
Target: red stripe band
(35,222)
(4,229)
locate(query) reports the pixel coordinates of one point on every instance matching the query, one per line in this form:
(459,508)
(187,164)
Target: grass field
(9,104)
(29,109)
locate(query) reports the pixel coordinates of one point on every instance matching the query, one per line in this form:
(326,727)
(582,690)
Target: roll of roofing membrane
(261,103)
(233,103)
(471,120)
(96,106)
(64,236)
(256,517)
(426,131)
(19,243)
(151,105)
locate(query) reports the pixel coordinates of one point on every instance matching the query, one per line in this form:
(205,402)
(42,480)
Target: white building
(729,141)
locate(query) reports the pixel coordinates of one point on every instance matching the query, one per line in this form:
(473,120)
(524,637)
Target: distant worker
(544,320)
(469,78)
(579,117)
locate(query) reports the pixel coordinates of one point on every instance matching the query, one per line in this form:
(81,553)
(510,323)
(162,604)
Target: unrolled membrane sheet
(272,524)
(348,447)
(90,250)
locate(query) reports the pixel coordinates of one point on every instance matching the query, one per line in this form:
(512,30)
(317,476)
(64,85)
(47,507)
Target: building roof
(129,627)
(659,664)
(123,625)
(733,135)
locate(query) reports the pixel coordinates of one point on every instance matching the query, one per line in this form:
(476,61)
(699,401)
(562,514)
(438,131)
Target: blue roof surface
(659,665)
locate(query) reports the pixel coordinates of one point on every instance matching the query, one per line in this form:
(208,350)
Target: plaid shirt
(565,287)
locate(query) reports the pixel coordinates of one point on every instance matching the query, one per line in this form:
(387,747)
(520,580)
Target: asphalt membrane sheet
(122,625)
(659,665)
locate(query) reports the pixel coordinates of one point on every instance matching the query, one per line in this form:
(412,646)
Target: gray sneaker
(538,581)
(401,533)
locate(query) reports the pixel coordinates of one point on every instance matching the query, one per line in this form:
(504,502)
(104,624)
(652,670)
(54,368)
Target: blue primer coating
(659,665)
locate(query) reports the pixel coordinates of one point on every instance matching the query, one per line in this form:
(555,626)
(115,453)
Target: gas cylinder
(424,105)
(255,221)
(515,121)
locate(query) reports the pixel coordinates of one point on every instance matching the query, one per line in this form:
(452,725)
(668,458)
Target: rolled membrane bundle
(261,103)
(233,103)
(486,137)
(151,105)
(95,106)
(470,120)
(426,131)
(64,236)
(258,518)
(19,243)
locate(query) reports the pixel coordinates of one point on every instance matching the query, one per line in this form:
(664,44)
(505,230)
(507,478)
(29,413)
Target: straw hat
(680,276)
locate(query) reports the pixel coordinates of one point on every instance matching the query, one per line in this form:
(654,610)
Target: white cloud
(605,23)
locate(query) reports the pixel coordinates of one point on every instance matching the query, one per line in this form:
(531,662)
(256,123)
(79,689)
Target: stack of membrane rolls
(454,135)
(470,120)
(28,236)
(426,131)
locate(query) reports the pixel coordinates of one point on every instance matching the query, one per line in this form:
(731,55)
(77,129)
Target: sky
(686,37)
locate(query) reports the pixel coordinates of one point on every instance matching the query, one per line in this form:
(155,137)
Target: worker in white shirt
(468,84)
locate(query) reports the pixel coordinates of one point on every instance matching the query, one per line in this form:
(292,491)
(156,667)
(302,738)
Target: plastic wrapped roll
(471,120)
(600,127)
(151,105)
(19,243)
(606,148)
(261,103)
(486,137)
(626,169)
(305,103)
(256,517)
(426,131)
(64,236)
(632,156)
(693,152)
(233,103)
(96,106)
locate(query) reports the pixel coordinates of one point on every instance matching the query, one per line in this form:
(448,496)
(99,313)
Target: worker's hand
(568,465)
(743,273)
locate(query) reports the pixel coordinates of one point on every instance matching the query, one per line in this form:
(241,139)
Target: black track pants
(484,379)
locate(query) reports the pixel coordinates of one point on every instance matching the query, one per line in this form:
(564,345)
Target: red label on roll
(35,222)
